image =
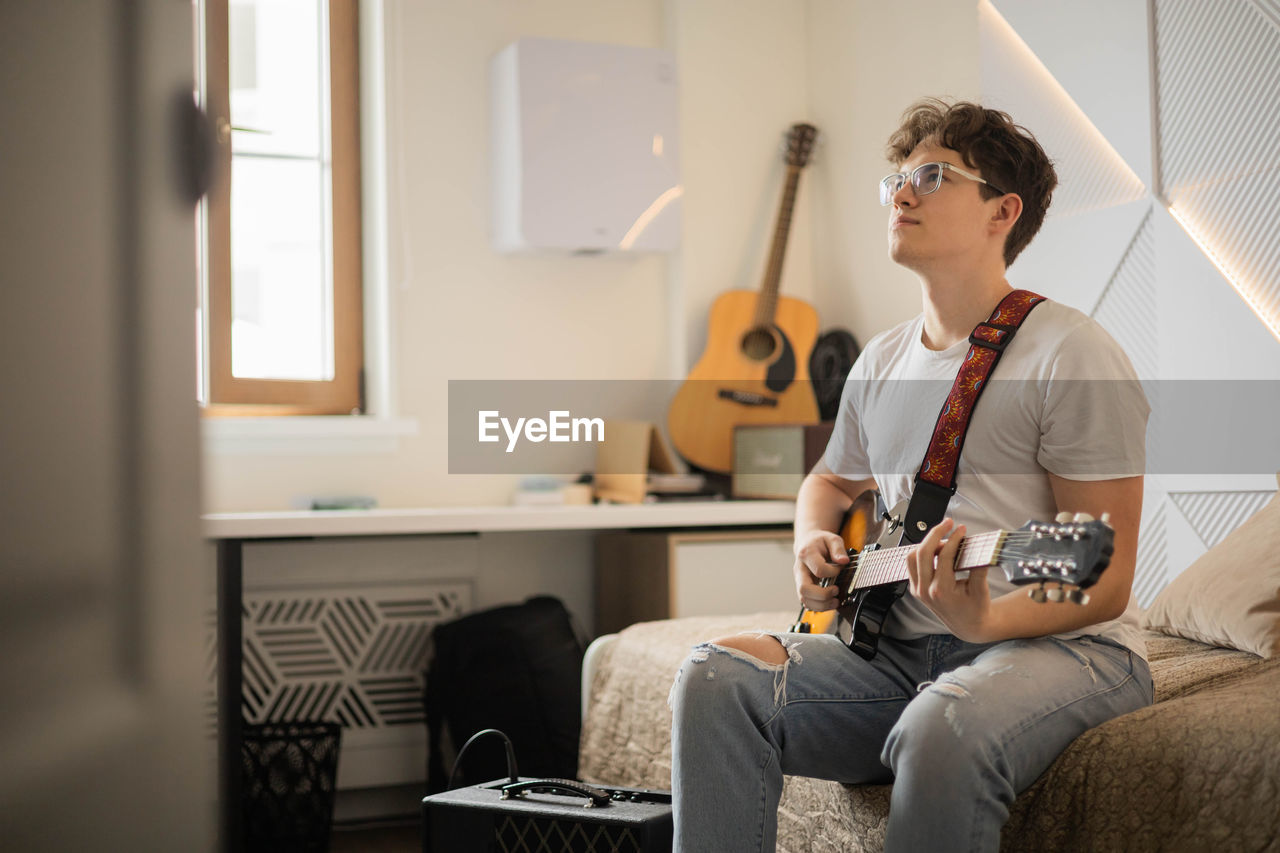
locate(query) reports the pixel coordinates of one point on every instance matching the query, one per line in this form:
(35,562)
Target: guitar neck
(889,565)
(768,301)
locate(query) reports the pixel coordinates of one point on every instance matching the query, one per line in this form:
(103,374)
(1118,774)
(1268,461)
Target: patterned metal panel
(350,657)
(1215,514)
(1151,573)
(1127,308)
(1218,84)
(211,670)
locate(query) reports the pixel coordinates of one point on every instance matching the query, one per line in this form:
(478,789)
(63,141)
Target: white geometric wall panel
(1091,173)
(1183,526)
(1127,308)
(1271,9)
(1074,257)
(1215,514)
(1149,575)
(1088,48)
(1206,330)
(1100,200)
(1218,87)
(1191,298)
(1196,520)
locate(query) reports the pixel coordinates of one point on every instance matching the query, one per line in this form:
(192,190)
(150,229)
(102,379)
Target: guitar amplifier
(771,460)
(548,816)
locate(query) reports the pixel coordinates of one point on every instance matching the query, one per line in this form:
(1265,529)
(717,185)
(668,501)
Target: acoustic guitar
(755,368)
(1062,558)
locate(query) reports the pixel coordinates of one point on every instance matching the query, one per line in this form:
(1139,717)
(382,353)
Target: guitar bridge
(747,398)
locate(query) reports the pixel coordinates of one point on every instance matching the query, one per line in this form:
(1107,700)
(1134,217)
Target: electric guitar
(755,368)
(1070,551)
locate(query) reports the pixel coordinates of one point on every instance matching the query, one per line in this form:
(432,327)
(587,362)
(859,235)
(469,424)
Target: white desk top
(398,522)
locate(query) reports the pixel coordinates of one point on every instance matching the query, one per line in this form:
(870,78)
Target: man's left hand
(963,606)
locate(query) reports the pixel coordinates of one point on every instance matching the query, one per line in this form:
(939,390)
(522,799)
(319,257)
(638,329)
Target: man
(976,688)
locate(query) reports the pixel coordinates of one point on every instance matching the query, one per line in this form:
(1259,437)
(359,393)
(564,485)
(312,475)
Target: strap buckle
(928,506)
(1000,335)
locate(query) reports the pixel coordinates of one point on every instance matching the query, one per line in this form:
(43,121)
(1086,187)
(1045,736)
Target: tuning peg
(1036,594)
(1078,596)
(1062,517)
(1106,519)
(1082,517)
(1055,594)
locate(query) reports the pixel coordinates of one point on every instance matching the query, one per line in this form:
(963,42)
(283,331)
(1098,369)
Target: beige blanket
(1197,771)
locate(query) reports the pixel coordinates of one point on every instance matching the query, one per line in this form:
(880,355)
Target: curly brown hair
(1006,154)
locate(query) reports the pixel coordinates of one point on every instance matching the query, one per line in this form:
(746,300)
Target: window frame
(229,395)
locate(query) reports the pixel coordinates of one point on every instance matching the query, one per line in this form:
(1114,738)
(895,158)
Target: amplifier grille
(526,834)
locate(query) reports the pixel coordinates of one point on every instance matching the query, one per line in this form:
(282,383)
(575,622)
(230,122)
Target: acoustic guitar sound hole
(758,344)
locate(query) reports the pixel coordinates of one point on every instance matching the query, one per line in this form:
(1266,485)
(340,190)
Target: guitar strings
(887,565)
(1011,547)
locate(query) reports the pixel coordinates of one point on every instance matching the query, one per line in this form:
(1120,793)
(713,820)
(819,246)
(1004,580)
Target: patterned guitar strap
(936,479)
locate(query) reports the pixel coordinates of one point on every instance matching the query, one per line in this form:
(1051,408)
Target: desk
(232,530)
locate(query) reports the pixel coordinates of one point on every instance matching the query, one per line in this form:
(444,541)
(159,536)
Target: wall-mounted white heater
(585,148)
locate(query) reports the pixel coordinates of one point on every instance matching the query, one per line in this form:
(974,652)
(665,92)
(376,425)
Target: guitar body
(866,527)
(866,613)
(861,523)
(748,374)
(867,609)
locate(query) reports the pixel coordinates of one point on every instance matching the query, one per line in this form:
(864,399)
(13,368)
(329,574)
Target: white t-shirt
(1064,399)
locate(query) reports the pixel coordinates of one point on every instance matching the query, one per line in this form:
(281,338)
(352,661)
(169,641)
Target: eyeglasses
(925,178)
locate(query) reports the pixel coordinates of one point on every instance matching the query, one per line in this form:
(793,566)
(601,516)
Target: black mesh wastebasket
(289,770)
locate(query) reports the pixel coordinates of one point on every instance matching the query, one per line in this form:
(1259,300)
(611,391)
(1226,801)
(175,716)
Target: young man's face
(945,227)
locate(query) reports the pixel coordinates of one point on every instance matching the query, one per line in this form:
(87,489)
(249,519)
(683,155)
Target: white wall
(748,70)
(867,65)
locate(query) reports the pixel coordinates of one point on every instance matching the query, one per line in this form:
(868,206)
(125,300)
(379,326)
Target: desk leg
(230,660)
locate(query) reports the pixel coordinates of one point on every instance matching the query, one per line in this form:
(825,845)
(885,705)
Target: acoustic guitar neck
(768,300)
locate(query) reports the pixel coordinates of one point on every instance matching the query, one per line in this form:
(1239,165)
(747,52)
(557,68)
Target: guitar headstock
(1070,551)
(800,144)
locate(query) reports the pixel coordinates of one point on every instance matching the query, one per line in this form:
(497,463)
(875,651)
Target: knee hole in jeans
(764,648)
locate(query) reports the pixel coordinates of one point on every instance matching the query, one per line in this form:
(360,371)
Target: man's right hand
(819,554)
(820,506)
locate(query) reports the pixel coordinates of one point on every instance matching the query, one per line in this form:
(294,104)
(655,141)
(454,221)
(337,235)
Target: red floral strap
(986,344)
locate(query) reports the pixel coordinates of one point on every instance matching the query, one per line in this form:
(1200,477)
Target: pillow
(1231,595)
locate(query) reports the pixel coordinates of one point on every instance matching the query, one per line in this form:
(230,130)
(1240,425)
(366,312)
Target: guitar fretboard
(889,565)
(767,304)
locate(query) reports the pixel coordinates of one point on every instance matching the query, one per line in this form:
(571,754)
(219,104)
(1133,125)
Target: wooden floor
(378,839)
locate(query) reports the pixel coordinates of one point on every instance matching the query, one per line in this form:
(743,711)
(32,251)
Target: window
(282,329)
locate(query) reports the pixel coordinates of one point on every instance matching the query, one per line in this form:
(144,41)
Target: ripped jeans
(960,729)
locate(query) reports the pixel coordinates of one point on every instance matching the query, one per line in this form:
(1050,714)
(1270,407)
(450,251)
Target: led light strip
(1272,323)
(1069,106)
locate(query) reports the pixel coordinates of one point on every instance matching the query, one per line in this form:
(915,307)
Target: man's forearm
(1014,615)
(820,505)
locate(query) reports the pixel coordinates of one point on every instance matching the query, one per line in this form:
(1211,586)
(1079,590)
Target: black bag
(517,669)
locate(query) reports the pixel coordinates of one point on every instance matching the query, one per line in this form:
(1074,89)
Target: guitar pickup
(747,398)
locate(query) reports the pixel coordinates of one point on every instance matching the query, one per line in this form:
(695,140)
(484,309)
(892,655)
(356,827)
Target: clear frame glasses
(925,178)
